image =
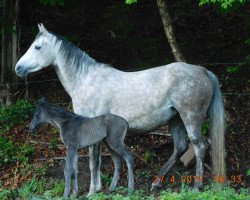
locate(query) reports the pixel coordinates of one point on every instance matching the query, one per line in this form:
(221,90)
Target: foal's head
(40,116)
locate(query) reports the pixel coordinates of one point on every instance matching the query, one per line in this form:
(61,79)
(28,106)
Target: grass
(43,189)
(35,189)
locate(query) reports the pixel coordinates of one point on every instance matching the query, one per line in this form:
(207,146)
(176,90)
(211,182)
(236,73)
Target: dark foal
(79,132)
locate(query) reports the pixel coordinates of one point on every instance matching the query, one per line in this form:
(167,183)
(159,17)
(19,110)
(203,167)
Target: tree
(10,39)
(168,28)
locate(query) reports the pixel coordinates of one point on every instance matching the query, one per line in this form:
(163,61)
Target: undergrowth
(43,189)
(15,114)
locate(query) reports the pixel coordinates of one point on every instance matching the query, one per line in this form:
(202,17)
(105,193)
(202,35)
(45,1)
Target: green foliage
(224,4)
(140,173)
(205,128)
(247,41)
(106,179)
(4,194)
(122,194)
(148,157)
(52,3)
(36,188)
(10,153)
(233,69)
(212,192)
(248,172)
(15,114)
(129,2)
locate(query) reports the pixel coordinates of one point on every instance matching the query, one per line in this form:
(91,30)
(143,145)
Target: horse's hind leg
(94,165)
(178,132)
(193,125)
(116,175)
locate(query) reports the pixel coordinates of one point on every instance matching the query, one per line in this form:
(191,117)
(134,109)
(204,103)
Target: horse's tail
(216,114)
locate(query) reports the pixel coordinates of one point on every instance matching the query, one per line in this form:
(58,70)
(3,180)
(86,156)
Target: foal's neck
(58,116)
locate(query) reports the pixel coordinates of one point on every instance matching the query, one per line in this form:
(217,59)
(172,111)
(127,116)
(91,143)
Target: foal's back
(82,132)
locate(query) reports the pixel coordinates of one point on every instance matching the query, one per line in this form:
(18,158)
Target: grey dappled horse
(179,93)
(78,132)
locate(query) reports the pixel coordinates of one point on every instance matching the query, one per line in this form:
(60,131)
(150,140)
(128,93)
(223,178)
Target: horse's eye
(38,47)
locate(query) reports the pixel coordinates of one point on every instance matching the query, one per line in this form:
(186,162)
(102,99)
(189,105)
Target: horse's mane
(74,56)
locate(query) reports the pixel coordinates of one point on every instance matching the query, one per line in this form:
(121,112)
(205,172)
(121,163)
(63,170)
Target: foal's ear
(42,29)
(43,100)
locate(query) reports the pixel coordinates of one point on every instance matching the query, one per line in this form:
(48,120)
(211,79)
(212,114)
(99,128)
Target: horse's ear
(39,27)
(42,29)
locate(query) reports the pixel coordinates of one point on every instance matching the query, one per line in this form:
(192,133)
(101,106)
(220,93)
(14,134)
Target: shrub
(15,114)
(10,152)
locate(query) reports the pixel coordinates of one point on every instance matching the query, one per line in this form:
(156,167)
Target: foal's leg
(193,125)
(178,132)
(119,147)
(95,164)
(116,175)
(71,151)
(75,172)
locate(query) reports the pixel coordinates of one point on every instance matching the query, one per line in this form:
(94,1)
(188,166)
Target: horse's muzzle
(20,71)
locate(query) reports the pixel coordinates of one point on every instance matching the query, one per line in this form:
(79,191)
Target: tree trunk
(10,40)
(169,31)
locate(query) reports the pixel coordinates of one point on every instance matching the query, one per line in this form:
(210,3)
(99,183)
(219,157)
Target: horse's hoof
(111,189)
(155,187)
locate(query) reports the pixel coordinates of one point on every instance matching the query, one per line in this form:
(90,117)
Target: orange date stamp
(192,179)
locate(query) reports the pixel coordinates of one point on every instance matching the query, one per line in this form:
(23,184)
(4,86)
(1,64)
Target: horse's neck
(69,77)
(67,80)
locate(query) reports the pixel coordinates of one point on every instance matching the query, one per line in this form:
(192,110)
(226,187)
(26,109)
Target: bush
(15,114)
(10,152)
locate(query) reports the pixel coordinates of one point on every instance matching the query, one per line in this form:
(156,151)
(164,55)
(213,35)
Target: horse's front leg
(71,151)
(94,165)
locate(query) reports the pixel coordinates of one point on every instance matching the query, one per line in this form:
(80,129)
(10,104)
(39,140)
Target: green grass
(212,192)
(43,189)
(35,189)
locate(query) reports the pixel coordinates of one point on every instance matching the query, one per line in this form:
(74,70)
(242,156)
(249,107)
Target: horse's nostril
(18,68)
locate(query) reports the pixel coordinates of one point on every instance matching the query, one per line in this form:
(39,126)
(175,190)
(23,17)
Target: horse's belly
(151,121)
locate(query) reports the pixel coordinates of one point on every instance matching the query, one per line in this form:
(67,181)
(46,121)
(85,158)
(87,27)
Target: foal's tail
(216,114)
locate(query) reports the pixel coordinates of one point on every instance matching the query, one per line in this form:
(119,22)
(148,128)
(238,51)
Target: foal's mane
(59,112)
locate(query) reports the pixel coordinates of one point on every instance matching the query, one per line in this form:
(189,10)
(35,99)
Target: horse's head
(39,55)
(39,117)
